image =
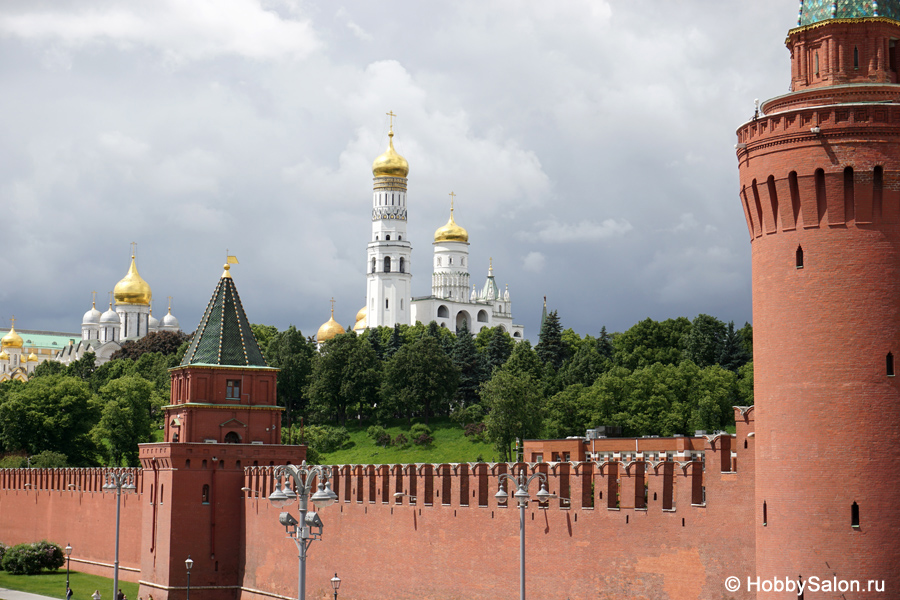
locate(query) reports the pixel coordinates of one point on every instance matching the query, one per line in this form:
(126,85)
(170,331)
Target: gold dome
(329,329)
(32,357)
(11,339)
(132,289)
(390,164)
(4,355)
(451,232)
(361,320)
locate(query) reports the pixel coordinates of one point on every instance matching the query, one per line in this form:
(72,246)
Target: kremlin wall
(805,490)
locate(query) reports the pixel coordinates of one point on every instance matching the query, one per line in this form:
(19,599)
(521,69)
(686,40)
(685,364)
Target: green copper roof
(224,336)
(815,11)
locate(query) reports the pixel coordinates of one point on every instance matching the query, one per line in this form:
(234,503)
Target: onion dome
(170,322)
(91,317)
(4,355)
(816,11)
(110,316)
(32,357)
(11,339)
(361,319)
(451,232)
(152,323)
(390,164)
(329,329)
(132,289)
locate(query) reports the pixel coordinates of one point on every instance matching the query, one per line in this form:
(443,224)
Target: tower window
(387,237)
(399,238)
(855,57)
(438,261)
(854,516)
(204,497)
(890,364)
(386,305)
(451,260)
(387,264)
(373,262)
(402,265)
(799,257)
(816,64)
(765,514)
(233,389)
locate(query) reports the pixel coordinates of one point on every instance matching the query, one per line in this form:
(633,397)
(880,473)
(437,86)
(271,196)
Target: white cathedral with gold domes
(131,319)
(389,299)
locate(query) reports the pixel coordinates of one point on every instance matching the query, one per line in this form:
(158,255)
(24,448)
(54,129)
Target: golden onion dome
(32,357)
(360,325)
(4,355)
(11,339)
(132,289)
(329,329)
(451,232)
(390,164)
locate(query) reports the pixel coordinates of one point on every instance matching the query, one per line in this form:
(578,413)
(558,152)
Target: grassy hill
(450,445)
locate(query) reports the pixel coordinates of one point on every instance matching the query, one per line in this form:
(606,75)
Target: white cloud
(554,232)
(534,262)
(198,29)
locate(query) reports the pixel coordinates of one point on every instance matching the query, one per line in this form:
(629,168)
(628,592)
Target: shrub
(418,429)
(31,559)
(423,440)
(400,440)
(49,460)
(326,439)
(3,549)
(14,462)
(476,431)
(379,435)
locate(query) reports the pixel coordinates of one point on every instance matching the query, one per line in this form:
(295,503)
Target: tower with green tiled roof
(816,11)
(223,390)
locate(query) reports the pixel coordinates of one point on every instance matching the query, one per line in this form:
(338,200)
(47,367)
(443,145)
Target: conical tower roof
(224,337)
(817,11)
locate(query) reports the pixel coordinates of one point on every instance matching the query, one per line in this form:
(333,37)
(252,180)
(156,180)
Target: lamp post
(118,482)
(68,554)
(523,498)
(335,583)
(309,527)
(188,564)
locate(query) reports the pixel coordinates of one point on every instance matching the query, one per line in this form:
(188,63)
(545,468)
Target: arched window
(204,497)
(387,237)
(854,516)
(890,364)
(373,264)
(438,261)
(799,257)
(765,514)
(399,238)
(482,316)
(450,261)
(855,57)
(402,265)
(232,438)
(816,64)
(443,312)
(387,264)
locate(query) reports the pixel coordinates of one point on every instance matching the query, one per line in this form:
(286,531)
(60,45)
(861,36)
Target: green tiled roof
(815,11)
(224,336)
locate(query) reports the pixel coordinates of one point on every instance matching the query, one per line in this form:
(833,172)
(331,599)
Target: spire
(544,314)
(224,336)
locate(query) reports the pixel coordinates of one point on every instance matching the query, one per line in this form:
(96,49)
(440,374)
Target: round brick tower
(820,186)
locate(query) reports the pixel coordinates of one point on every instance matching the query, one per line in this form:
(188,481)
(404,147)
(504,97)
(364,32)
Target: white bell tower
(389,280)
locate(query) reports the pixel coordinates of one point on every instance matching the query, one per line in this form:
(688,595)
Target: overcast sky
(590,145)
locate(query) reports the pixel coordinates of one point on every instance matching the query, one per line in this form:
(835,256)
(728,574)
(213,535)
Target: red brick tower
(820,186)
(222,418)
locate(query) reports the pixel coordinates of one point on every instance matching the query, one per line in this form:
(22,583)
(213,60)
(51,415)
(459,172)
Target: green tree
(54,412)
(394,343)
(344,379)
(264,335)
(650,342)
(48,367)
(734,353)
(747,336)
(419,379)
(551,349)
(524,359)
(110,370)
(586,365)
(162,342)
(705,341)
(564,414)
(497,347)
(125,421)
(470,366)
(84,367)
(514,402)
(745,384)
(293,354)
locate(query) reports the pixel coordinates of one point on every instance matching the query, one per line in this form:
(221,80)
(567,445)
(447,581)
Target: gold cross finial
(133,246)
(13,321)
(452,198)
(94,299)
(332,307)
(491,266)
(170,304)
(391,114)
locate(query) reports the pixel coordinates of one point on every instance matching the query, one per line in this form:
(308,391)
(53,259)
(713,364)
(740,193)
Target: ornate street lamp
(309,527)
(523,498)
(335,583)
(118,482)
(188,564)
(68,554)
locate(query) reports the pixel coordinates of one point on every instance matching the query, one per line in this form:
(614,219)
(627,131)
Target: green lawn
(450,445)
(53,584)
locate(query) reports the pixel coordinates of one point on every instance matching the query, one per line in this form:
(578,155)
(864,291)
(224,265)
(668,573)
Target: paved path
(17,595)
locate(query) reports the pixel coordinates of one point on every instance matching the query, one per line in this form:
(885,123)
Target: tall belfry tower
(388,284)
(820,187)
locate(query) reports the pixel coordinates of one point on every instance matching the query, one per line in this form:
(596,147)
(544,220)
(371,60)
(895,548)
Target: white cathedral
(389,299)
